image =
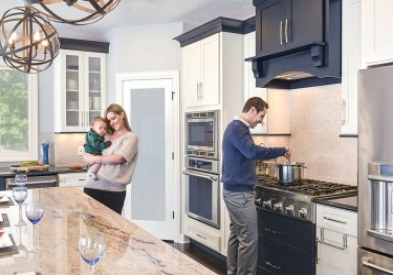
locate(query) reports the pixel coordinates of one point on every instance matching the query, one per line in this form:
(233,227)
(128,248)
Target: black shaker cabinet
(284,25)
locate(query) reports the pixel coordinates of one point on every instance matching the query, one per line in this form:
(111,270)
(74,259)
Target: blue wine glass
(34,212)
(92,247)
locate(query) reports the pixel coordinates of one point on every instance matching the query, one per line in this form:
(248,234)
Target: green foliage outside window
(13,110)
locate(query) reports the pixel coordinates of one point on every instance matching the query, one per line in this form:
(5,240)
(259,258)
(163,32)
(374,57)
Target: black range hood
(313,63)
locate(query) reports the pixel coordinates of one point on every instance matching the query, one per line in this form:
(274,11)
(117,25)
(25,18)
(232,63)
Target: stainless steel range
(295,200)
(286,223)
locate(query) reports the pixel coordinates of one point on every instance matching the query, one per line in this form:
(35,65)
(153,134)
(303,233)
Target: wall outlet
(80,150)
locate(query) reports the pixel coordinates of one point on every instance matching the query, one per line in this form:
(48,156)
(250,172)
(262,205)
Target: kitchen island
(68,213)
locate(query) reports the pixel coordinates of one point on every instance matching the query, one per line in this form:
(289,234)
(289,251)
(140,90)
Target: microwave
(202,134)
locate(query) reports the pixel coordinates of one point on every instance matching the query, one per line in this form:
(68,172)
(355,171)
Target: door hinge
(173,94)
(173,214)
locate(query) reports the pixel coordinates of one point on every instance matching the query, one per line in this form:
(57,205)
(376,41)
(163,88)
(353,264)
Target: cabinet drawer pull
(272,265)
(373,266)
(344,112)
(322,241)
(333,220)
(272,231)
(200,236)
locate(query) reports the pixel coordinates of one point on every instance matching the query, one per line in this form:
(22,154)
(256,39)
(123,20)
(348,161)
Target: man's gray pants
(242,254)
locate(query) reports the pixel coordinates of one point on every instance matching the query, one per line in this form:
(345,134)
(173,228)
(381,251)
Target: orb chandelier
(83,12)
(28,42)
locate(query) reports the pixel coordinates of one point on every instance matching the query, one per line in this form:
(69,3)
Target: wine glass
(20,180)
(34,212)
(19,194)
(22,255)
(92,248)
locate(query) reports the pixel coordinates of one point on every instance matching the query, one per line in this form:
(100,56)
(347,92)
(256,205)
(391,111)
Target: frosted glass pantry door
(148,104)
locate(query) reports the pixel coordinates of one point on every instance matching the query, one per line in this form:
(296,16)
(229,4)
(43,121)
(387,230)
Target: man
(239,178)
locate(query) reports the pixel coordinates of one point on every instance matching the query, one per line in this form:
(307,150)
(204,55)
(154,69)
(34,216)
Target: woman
(118,161)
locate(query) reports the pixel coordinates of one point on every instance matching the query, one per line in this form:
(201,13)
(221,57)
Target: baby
(95,142)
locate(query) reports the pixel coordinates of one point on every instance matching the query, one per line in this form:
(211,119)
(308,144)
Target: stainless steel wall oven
(202,189)
(202,134)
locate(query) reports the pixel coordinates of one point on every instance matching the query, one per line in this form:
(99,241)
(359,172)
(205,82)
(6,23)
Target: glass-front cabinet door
(81,83)
(95,64)
(73,91)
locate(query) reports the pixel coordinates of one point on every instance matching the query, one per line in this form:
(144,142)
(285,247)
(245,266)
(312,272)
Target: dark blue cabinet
(283,25)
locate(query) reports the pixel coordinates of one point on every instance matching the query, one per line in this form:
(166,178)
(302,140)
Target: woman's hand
(89,158)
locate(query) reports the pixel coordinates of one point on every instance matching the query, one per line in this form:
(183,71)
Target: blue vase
(45,152)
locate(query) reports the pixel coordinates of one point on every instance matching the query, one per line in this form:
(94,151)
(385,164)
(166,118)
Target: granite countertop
(6,172)
(347,203)
(68,212)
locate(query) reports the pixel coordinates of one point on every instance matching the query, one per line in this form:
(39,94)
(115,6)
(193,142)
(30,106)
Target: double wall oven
(287,223)
(202,167)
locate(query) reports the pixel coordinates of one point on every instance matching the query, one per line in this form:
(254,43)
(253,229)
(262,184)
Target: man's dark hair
(258,103)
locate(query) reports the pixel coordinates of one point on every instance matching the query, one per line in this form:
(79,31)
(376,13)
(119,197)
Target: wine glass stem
(35,240)
(92,269)
(20,213)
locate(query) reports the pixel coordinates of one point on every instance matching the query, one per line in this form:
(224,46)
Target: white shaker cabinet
(73,179)
(336,241)
(201,67)
(80,82)
(351,63)
(378,27)
(276,120)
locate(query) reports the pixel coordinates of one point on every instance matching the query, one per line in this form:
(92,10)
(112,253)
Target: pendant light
(28,42)
(80,12)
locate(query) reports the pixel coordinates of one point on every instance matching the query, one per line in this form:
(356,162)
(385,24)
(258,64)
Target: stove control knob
(267,204)
(290,210)
(258,201)
(303,213)
(277,206)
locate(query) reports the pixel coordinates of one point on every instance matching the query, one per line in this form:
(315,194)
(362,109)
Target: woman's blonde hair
(117,109)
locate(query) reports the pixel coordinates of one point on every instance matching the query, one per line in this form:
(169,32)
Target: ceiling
(148,12)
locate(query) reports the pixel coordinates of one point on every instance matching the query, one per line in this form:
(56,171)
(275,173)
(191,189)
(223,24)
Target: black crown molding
(84,45)
(220,24)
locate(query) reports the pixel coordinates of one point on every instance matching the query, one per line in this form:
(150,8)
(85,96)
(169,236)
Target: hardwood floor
(203,255)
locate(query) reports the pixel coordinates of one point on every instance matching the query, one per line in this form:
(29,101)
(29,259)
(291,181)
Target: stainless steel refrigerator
(375,171)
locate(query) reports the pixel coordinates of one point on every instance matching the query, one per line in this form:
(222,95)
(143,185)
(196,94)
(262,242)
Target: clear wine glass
(92,248)
(22,255)
(34,212)
(20,180)
(19,194)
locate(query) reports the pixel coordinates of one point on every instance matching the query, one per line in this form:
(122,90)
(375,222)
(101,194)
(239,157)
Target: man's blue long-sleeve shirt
(239,155)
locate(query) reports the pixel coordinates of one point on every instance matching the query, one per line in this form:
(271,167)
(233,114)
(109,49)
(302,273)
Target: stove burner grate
(309,186)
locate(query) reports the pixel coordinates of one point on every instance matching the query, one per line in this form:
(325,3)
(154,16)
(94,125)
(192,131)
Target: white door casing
(151,103)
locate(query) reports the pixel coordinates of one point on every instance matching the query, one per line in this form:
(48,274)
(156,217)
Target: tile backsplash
(315,118)
(66,149)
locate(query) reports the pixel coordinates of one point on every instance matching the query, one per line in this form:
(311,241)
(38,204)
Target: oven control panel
(289,207)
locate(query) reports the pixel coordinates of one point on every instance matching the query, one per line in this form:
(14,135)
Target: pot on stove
(288,173)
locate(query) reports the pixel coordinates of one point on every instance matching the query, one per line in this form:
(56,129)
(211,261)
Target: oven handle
(202,175)
(322,241)
(373,266)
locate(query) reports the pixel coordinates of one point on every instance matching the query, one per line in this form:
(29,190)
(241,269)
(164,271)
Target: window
(18,115)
